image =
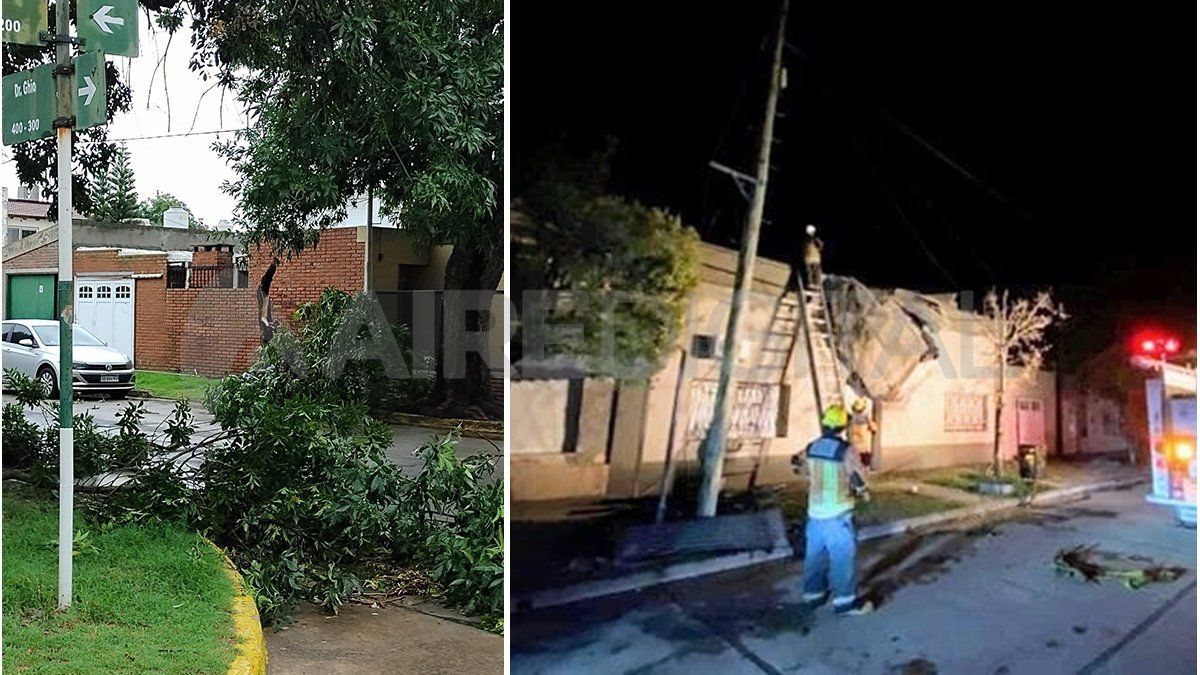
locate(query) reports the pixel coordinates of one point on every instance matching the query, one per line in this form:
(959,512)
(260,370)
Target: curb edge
(903,526)
(251,657)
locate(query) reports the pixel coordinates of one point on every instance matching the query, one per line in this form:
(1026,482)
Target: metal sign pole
(64,80)
(31,107)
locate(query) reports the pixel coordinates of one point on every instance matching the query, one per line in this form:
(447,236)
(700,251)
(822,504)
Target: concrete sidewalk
(368,641)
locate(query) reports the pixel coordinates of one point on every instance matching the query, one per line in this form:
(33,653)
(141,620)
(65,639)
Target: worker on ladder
(812,257)
(835,480)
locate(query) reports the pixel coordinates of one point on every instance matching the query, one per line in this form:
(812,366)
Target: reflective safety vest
(860,431)
(829,493)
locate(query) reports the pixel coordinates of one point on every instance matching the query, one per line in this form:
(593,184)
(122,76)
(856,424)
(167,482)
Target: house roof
(29,208)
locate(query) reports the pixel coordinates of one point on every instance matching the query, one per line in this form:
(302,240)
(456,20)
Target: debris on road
(1093,564)
(918,666)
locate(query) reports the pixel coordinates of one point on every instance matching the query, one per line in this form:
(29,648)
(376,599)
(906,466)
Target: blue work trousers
(829,552)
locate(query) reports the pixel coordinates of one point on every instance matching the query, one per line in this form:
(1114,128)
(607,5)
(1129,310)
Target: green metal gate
(30,296)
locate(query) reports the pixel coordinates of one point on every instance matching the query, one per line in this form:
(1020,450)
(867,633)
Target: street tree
(114,195)
(618,270)
(401,100)
(152,209)
(1016,333)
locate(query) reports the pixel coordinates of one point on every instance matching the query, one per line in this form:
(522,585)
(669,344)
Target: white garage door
(105,307)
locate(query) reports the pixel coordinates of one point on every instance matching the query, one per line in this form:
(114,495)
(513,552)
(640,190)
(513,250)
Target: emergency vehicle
(1171,410)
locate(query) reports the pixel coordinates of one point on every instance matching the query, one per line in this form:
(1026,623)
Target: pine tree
(101,195)
(124,198)
(114,196)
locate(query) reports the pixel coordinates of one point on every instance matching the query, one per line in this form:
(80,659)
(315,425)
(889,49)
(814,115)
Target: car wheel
(49,381)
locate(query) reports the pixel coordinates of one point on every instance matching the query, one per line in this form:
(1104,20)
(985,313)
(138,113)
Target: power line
(892,198)
(944,158)
(179,135)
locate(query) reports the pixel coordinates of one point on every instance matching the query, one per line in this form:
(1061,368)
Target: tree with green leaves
(152,209)
(627,270)
(114,195)
(401,99)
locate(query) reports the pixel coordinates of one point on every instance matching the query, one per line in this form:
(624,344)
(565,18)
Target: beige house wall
(914,433)
(392,248)
(708,315)
(914,429)
(540,468)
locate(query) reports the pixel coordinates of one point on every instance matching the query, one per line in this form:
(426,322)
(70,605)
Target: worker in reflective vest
(862,430)
(835,480)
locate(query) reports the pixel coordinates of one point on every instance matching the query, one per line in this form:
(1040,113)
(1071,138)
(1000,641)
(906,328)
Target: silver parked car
(31,348)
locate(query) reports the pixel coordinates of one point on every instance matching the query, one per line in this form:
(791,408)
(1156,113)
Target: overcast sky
(185,166)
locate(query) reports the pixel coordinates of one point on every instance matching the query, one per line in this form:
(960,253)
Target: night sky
(1075,124)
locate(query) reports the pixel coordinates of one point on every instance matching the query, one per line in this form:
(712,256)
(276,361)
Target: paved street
(404,439)
(971,599)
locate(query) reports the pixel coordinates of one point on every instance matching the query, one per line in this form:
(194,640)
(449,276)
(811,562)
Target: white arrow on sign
(88,90)
(103,20)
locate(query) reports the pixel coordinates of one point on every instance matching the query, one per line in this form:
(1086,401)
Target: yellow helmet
(859,405)
(834,417)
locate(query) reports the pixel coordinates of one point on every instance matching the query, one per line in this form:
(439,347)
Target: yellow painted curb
(490,429)
(251,658)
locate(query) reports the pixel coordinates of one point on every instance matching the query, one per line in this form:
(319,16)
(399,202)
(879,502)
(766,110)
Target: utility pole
(64,80)
(712,452)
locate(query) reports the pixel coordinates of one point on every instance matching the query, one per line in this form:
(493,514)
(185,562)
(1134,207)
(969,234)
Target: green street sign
(29,105)
(109,26)
(91,91)
(23,19)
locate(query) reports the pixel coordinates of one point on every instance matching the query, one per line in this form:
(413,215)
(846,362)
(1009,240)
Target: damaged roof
(884,334)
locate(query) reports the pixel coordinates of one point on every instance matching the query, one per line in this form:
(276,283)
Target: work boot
(813,601)
(855,608)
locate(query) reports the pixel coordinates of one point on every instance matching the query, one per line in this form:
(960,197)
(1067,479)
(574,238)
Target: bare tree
(1016,331)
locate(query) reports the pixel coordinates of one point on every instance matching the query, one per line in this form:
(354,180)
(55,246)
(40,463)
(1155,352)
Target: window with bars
(755,410)
(965,412)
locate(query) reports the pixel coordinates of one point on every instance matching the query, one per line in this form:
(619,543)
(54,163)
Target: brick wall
(213,331)
(336,262)
(38,258)
(89,262)
(224,257)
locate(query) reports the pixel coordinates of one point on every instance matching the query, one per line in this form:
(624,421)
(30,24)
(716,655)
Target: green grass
(173,385)
(886,505)
(967,481)
(892,505)
(147,599)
